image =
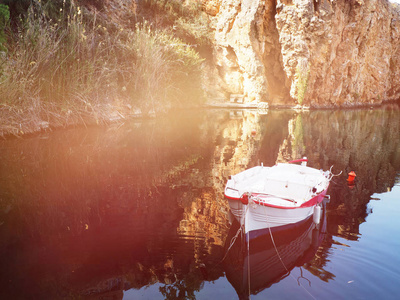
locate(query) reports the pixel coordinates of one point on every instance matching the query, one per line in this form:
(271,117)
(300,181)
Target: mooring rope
(233,240)
(242,230)
(283,264)
(248,262)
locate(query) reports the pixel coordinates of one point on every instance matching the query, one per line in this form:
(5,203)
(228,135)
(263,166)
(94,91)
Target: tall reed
(164,67)
(48,59)
(187,18)
(66,59)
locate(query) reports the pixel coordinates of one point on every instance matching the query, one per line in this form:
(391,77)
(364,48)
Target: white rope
(283,264)
(233,240)
(248,263)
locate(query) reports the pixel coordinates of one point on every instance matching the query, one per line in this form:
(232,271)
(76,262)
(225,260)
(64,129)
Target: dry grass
(187,18)
(73,68)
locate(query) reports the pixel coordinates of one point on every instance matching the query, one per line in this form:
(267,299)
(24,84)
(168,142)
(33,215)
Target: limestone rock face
(343,52)
(321,53)
(247,48)
(237,62)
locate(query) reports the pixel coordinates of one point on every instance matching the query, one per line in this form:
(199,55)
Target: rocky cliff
(319,53)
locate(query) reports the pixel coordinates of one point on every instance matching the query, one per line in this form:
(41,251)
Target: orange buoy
(352,176)
(351,184)
(253,132)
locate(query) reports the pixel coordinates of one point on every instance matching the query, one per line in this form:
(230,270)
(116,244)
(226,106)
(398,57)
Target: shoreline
(27,123)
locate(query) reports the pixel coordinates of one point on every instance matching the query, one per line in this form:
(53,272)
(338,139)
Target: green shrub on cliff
(302,76)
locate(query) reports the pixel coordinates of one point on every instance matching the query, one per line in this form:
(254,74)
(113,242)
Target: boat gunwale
(309,203)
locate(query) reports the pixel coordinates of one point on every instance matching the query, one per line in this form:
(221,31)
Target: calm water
(136,211)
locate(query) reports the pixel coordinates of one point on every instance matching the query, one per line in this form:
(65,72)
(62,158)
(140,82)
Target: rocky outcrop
(320,53)
(247,51)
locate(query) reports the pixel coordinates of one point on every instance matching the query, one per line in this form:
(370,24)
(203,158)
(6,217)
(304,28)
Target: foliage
(162,63)
(187,18)
(62,54)
(4,18)
(302,76)
(298,136)
(51,58)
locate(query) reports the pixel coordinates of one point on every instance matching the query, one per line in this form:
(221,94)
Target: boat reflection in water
(253,266)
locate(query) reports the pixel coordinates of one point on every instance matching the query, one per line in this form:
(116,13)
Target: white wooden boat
(272,197)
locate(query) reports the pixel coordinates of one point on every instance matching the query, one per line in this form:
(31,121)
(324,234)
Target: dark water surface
(136,211)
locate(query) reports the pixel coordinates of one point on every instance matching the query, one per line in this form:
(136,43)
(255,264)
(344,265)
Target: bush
(49,57)
(66,58)
(164,67)
(302,76)
(4,18)
(186,18)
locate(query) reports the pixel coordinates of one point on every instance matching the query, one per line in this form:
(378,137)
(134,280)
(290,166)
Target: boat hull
(256,218)
(260,267)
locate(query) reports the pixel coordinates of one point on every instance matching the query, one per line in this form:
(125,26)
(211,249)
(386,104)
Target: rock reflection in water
(97,211)
(364,141)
